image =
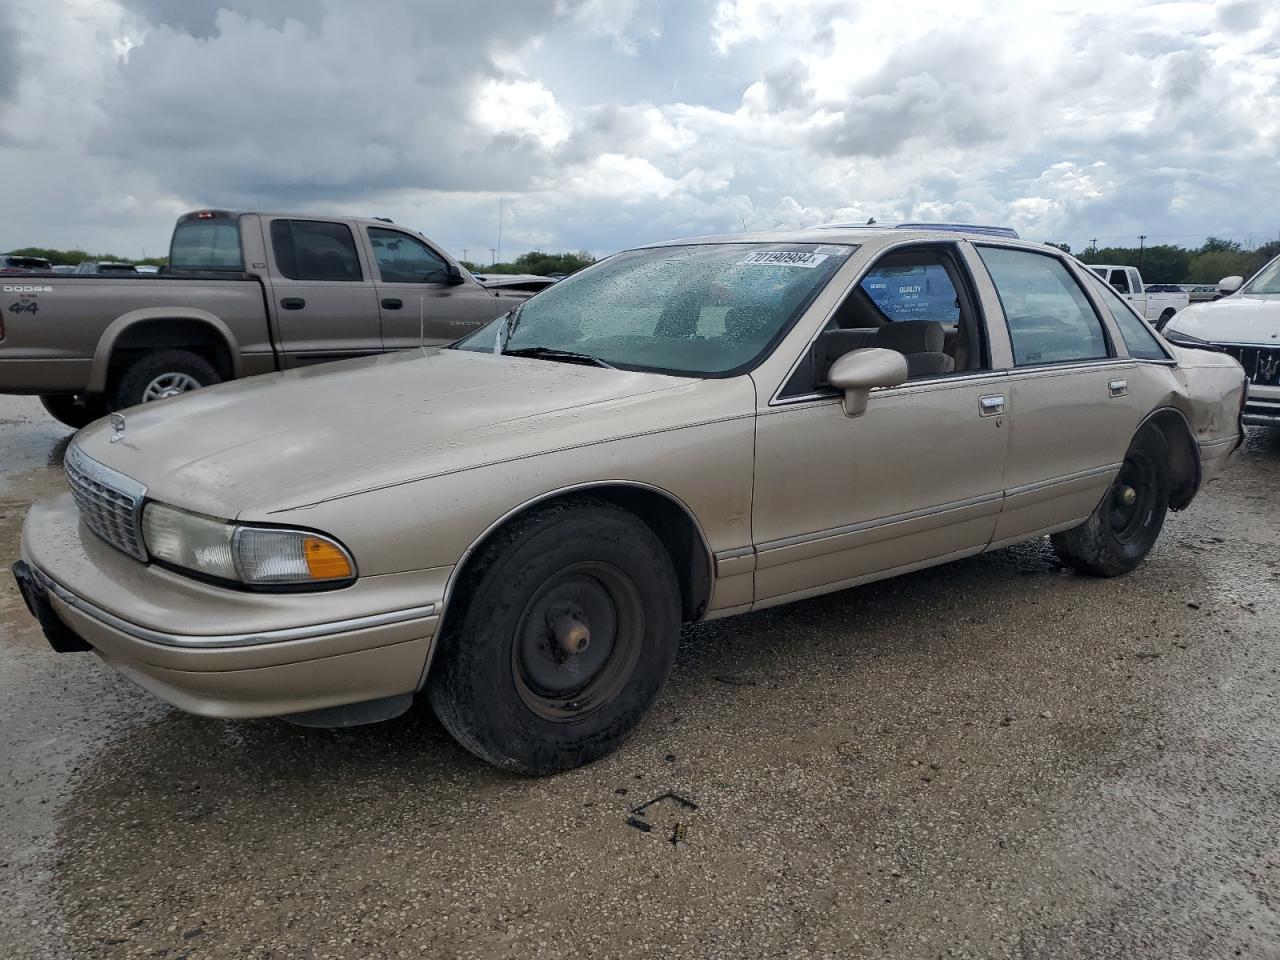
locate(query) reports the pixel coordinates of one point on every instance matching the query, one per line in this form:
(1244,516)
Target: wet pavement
(994,758)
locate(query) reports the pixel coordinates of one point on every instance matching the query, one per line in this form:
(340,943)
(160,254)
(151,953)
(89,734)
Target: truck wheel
(1123,528)
(160,375)
(561,640)
(72,409)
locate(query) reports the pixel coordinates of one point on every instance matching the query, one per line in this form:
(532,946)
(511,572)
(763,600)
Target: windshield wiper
(566,356)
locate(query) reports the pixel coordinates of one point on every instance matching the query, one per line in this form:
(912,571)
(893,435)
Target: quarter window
(402,259)
(315,250)
(1142,343)
(1050,319)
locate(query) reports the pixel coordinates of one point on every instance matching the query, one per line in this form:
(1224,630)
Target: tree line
(535,261)
(70,258)
(1166,263)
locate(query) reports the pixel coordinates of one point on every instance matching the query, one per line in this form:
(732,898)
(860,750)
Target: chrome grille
(110,503)
(1261,364)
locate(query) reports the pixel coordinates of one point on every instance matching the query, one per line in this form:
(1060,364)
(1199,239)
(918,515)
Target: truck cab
(1159,308)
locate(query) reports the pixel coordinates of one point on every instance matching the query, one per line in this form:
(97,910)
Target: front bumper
(221,652)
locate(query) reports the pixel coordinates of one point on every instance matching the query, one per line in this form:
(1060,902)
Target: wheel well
(147,336)
(669,521)
(1184,456)
(1167,312)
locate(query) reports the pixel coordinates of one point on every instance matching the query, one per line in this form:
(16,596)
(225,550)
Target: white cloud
(612,122)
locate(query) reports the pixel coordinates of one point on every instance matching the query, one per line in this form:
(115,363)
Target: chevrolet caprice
(516,526)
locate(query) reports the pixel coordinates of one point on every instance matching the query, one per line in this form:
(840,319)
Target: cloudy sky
(606,123)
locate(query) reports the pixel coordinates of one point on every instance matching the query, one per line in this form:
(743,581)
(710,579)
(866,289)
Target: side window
(914,301)
(1135,282)
(315,250)
(1120,281)
(402,259)
(1142,343)
(913,292)
(1050,319)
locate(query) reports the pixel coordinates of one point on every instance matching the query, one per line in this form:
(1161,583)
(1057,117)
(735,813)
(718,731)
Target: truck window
(1120,281)
(206,245)
(1135,282)
(315,250)
(402,259)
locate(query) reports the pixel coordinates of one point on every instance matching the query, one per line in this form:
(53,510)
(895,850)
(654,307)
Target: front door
(322,299)
(417,302)
(918,477)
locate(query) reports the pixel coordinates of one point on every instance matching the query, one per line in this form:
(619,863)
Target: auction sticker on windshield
(783,258)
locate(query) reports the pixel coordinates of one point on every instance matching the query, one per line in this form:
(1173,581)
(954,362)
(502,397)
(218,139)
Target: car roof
(862,236)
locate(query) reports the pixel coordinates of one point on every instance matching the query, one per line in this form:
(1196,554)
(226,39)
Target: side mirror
(453,276)
(858,371)
(1229,285)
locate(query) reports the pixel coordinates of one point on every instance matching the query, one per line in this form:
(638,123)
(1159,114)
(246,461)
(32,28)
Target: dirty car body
(518,524)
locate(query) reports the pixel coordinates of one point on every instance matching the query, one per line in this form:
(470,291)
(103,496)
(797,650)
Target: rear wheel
(1124,527)
(74,410)
(160,375)
(562,639)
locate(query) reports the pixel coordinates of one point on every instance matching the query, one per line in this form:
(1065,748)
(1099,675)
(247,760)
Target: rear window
(206,245)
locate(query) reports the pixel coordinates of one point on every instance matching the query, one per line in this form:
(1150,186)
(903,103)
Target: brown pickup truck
(244,293)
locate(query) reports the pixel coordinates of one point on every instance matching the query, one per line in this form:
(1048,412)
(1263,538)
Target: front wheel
(1124,527)
(563,638)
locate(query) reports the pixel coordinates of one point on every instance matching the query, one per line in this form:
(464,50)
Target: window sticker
(783,258)
(834,249)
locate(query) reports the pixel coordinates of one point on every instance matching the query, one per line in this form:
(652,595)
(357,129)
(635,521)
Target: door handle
(991,406)
(1118,388)
(392,303)
(293,303)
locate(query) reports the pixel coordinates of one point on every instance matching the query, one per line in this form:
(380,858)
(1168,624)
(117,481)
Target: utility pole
(1142,242)
(493,257)
(466,254)
(500,202)
(1094,241)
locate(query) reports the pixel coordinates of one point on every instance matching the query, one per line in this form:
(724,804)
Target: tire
(162,374)
(504,683)
(1124,527)
(72,409)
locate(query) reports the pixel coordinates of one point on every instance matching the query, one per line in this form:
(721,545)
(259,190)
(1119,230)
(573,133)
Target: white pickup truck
(1159,308)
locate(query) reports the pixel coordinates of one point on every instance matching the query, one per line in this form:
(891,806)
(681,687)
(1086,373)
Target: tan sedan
(517,525)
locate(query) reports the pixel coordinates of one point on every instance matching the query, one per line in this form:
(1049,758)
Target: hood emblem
(117,427)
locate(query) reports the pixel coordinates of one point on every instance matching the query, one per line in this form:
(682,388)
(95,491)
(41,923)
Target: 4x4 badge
(117,427)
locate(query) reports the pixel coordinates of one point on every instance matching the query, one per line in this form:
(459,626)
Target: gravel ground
(995,758)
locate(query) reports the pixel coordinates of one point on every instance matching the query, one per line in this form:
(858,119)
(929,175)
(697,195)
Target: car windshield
(1266,283)
(710,309)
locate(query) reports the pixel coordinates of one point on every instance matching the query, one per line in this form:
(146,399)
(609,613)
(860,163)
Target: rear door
(1073,415)
(323,300)
(417,302)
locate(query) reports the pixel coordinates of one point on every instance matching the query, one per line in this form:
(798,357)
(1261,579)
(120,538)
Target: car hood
(289,439)
(1237,319)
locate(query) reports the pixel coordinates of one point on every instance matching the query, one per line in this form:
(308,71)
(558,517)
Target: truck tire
(561,638)
(160,375)
(1124,527)
(72,409)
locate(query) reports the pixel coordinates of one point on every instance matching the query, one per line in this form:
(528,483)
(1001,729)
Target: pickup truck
(244,293)
(1159,308)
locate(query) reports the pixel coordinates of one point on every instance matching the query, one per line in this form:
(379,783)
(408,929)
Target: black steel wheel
(1124,527)
(561,636)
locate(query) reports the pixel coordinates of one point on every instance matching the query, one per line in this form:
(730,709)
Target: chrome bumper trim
(198,641)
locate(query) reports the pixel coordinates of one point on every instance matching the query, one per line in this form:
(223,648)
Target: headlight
(255,556)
